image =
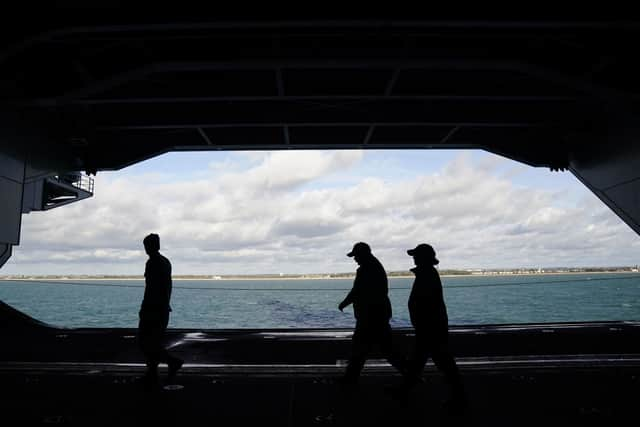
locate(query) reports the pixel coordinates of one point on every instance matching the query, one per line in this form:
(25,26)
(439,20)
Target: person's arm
(146,272)
(169,284)
(347,300)
(350,298)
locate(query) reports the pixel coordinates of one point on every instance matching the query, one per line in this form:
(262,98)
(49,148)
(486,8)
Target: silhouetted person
(154,312)
(429,318)
(372,310)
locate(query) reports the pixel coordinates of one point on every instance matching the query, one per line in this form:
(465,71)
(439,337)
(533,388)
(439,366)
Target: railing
(77,180)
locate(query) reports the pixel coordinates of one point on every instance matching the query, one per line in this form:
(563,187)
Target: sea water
(314,303)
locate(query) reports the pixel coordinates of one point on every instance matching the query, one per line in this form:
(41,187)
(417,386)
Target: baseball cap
(359,248)
(424,250)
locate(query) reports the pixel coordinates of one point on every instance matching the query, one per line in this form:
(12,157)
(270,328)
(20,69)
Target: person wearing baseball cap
(428,315)
(372,310)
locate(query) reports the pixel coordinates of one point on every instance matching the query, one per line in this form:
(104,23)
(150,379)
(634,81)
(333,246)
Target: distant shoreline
(302,277)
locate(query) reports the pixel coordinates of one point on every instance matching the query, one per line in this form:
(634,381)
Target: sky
(301,211)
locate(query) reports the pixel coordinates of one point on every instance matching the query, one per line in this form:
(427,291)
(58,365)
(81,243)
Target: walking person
(429,318)
(372,310)
(154,313)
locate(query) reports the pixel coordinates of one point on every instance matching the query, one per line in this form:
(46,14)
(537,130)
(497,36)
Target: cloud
(286,170)
(301,211)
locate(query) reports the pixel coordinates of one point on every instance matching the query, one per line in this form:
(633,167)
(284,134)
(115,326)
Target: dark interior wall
(12,168)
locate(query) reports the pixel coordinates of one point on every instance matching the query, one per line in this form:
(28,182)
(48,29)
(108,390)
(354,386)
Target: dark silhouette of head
(360,252)
(151,244)
(423,254)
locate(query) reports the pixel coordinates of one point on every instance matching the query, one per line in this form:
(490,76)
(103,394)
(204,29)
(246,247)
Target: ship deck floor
(523,392)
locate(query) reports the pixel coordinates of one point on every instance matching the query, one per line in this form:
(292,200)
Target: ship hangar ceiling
(115,94)
(552,93)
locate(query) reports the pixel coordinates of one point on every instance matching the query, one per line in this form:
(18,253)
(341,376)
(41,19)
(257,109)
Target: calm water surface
(313,303)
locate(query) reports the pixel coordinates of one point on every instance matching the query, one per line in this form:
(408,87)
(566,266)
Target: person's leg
(411,369)
(418,358)
(360,347)
(146,340)
(174,363)
(445,362)
(160,352)
(389,351)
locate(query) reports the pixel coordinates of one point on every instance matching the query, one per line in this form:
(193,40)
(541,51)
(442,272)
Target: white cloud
(284,170)
(278,214)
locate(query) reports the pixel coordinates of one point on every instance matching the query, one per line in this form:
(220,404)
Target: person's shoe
(329,418)
(174,365)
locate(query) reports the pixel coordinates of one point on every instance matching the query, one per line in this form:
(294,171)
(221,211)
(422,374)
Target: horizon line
(468,271)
